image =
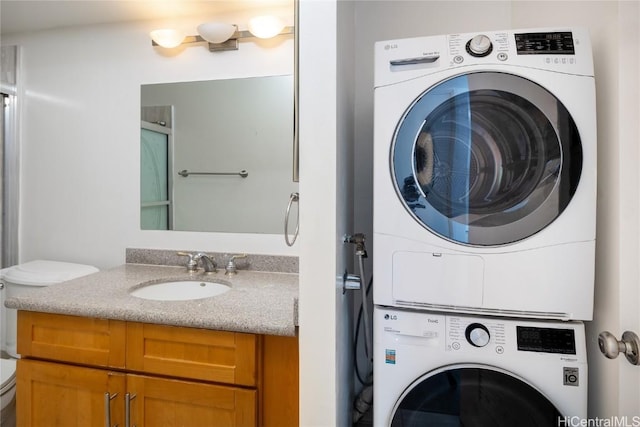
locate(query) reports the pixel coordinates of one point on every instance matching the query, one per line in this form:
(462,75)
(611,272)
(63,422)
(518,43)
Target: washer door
(486,158)
(473,396)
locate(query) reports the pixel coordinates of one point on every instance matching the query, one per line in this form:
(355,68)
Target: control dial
(479,46)
(477,335)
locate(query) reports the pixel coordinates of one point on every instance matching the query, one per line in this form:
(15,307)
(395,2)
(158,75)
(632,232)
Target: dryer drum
(489,152)
(473,396)
(477,153)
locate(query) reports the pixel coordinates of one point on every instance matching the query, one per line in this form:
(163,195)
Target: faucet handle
(192,263)
(230,268)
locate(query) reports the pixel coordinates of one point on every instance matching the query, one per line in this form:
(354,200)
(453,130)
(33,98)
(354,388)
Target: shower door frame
(10,178)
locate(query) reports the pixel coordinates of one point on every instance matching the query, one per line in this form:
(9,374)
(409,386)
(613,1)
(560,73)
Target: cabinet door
(168,403)
(53,394)
(280,381)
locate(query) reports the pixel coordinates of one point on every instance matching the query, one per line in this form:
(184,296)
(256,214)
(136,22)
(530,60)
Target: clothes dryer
(485,173)
(455,370)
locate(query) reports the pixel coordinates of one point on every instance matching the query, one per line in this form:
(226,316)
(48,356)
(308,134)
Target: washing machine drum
(473,396)
(486,158)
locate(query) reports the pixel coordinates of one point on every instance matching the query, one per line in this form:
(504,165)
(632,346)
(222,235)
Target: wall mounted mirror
(216,155)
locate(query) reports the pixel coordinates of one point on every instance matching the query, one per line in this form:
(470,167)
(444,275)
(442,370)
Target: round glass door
(486,158)
(472,396)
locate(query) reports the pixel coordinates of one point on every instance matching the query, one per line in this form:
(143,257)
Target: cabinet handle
(107,408)
(127,408)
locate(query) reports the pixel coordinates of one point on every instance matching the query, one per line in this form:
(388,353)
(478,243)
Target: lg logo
(390,317)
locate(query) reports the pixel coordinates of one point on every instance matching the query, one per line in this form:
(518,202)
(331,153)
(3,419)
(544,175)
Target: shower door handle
(629,345)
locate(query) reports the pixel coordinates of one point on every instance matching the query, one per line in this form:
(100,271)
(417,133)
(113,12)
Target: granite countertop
(258,302)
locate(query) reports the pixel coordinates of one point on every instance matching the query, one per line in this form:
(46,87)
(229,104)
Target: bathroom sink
(180,290)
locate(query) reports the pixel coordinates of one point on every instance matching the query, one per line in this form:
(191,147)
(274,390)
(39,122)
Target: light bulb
(216,32)
(167,37)
(265,27)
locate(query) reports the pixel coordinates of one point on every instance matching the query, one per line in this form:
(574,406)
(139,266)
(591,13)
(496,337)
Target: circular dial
(479,46)
(477,335)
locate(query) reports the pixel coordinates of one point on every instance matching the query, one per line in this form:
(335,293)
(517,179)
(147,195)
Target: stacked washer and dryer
(484,228)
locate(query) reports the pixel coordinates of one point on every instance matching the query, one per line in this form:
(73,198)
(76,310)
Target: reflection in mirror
(196,138)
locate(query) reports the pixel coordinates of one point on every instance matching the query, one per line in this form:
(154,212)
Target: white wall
(628,316)
(80,137)
(325,211)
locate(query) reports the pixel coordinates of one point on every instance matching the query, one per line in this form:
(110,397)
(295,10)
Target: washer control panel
(546,340)
(498,335)
(468,332)
(481,336)
(477,335)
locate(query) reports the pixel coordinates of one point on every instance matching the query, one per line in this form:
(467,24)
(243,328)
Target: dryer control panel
(545,43)
(563,50)
(547,49)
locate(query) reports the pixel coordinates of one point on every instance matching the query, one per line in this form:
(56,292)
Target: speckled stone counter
(258,302)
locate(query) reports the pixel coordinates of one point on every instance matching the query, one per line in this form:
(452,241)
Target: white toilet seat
(7,387)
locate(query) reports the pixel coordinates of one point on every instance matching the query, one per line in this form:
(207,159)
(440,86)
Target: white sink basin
(180,290)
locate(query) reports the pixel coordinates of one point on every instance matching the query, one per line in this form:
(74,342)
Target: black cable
(355,341)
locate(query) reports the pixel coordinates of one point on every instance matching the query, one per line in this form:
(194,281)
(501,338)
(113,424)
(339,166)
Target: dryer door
(473,396)
(486,158)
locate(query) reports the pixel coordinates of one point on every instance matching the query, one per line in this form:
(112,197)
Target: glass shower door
(155,192)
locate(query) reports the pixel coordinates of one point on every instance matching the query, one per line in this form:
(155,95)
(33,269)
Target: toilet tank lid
(44,273)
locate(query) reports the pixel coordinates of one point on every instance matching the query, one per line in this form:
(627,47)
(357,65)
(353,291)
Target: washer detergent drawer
(438,278)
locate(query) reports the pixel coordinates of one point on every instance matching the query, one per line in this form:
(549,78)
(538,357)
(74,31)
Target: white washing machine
(485,173)
(435,369)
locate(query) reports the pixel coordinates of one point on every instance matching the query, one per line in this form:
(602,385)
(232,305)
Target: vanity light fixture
(221,36)
(167,37)
(216,32)
(265,27)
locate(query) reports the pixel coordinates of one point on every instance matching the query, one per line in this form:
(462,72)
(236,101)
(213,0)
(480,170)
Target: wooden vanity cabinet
(56,394)
(77,371)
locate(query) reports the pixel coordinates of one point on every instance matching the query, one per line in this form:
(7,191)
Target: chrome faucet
(208,263)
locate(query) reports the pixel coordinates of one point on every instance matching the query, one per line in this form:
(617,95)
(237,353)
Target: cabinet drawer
(217,356)
(81,340)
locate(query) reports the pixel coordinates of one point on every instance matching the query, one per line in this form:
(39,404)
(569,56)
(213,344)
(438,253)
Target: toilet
(18,280)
